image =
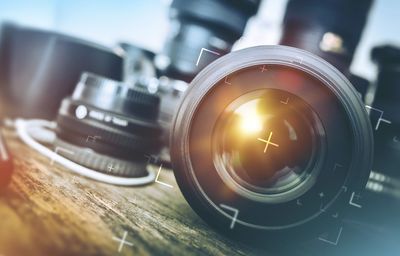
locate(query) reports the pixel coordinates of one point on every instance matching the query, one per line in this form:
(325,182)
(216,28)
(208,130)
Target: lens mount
(270,142)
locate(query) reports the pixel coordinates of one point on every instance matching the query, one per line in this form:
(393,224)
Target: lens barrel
(384,114)
(109,126)
(202,24)
(269,143)
(330,29)
(36,61)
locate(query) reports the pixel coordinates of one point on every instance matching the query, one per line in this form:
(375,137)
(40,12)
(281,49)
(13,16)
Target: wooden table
(47,210)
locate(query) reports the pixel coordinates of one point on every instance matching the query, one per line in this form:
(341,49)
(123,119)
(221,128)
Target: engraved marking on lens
(324,239)
(160,182)
(380,119)
(268,142)
(354,196)
(336,215)
(299,203)
(201,53)
(235,214)
(395,139)
(60,149)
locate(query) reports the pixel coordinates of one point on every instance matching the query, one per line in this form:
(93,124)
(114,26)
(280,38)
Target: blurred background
(108,22)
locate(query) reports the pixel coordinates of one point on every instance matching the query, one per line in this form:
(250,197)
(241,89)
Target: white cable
(23,133)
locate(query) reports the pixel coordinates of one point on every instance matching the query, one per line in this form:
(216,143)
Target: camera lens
(386,103)
(269,143)
(109,127)
(290,142)
(39,61)
(202,24)
(138,63)
(330,29)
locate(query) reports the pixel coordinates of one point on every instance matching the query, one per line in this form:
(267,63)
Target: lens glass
(266,146)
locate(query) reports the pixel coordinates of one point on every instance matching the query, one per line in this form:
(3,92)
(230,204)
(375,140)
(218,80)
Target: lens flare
(250,120)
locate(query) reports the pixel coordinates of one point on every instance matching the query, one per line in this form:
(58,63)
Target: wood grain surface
(47,210)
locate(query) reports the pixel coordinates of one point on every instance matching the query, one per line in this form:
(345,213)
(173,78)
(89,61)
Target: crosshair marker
(263,68)
(122,241)
(268,142)
(111,168)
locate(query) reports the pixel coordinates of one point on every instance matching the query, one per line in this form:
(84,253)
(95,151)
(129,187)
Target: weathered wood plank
(47,210)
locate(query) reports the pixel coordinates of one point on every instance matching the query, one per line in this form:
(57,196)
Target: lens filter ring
(272,141)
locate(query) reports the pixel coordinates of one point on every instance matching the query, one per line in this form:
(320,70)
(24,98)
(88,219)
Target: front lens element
(266,146)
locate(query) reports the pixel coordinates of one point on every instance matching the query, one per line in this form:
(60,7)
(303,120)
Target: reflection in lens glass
(266,142)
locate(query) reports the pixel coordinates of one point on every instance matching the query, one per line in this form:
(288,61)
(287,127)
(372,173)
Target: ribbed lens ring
(71,128)
(104,163)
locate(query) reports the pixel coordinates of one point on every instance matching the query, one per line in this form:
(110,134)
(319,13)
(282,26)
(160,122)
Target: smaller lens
(266,146)
(109,126)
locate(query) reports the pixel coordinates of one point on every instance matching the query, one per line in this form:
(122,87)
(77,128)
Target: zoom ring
(108,135)
(102,163)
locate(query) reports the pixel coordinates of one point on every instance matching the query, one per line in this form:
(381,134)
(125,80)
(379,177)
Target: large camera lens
(269,143)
